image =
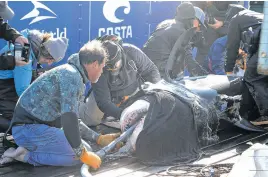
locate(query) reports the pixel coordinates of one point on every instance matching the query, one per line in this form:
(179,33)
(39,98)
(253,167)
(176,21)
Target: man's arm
(69,96)
(103,98)
(192,65)
(233,43)
(223,30)
(145,66)
(8,33)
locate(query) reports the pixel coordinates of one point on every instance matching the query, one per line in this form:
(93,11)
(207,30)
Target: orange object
(242,62)
(104,140)
(91,159)
(122,101)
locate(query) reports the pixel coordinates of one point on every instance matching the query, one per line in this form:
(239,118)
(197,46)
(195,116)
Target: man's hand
(217,24)
(22,40)
(21,63)
(91,159)
(104,140)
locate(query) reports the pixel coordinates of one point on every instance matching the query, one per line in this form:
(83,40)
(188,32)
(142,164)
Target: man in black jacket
(240,23)
(245,27)
(9,34)
(160,44)
(126,68)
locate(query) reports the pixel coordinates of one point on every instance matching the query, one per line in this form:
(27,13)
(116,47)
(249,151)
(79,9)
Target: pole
(263,50)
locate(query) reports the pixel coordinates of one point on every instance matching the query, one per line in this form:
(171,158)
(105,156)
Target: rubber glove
(104,140)
(91,159)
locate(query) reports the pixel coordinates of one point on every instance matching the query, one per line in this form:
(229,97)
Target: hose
(179,47)
(104,151)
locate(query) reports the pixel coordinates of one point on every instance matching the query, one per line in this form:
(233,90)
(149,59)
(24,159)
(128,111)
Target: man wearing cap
(160,44)
(9,34)
(217,26)
(45,124)
(215,59)
(43,50)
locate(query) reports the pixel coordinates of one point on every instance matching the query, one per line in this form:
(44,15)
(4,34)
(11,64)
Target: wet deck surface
(232,142)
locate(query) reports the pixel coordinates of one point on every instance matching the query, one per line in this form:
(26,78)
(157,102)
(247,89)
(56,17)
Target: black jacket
(240,23)
(107,94)
(9,34)
(160,44)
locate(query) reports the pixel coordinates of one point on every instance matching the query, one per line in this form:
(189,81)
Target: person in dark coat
(245,28)
(160,44)
(239,24)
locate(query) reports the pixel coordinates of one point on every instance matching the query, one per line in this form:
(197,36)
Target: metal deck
(233,142)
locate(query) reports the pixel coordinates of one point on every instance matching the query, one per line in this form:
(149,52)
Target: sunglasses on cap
(114,63)
(114,67)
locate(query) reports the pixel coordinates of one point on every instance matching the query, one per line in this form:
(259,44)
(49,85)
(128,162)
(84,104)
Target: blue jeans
(46,145)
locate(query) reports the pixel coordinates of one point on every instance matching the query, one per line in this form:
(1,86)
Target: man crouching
(51,103)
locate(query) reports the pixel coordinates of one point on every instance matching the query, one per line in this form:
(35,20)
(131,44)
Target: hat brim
(7,13)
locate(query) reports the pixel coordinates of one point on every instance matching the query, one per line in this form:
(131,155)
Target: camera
(21,51)
(211,19)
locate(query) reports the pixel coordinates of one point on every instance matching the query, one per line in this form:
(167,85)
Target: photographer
(9,34)
(43,49)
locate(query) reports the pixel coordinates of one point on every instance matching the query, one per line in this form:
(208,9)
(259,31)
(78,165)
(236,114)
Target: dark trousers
(8,100)
(255,95)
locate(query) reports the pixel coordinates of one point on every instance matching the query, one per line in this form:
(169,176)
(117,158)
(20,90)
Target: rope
(198,170)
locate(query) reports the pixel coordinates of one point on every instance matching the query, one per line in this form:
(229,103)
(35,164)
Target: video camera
(22,52)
